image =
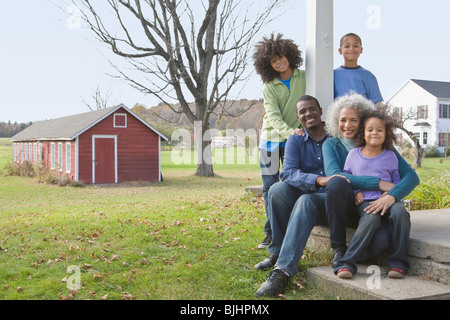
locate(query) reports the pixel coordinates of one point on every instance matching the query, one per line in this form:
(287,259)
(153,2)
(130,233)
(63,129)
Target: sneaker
(267,263)
(338,254)
(344,273)
(275,284)
(266,242)
(396,273)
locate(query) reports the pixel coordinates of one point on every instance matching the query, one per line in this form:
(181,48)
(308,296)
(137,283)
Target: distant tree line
(8,129)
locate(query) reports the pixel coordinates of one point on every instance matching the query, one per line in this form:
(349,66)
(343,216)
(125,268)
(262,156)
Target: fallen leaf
(127,296)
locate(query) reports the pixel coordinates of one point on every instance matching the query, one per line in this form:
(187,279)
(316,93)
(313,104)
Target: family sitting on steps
(343,173)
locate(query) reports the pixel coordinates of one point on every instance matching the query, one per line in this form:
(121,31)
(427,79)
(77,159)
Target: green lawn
(184,238)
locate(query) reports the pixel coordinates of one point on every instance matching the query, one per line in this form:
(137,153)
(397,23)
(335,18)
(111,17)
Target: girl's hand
(359,197)
(298,132)
(382,204)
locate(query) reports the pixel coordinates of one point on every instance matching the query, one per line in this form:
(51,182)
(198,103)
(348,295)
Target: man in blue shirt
(298,201)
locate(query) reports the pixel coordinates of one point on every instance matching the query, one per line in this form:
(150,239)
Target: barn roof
(70,127)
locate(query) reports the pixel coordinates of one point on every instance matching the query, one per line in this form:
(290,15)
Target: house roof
(70,127)
(439,89)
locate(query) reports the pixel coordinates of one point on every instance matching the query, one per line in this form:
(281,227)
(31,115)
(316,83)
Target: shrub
(432,152)
(42,173)
(24,169)
(432,194)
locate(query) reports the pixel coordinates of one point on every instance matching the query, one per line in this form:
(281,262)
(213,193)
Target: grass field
(184,238)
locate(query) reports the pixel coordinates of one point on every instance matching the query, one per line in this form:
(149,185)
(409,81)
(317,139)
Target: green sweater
(280,105)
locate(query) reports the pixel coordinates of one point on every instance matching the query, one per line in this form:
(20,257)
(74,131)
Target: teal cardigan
(335,154)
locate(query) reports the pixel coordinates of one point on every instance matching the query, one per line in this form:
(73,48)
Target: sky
(49,65)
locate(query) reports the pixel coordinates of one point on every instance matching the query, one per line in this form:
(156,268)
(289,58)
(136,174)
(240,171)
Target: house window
(422,112)
(52,154)
(444,140)
(417,136)
(444,111)
(60,162)
(425,138)
(68,157)
(120,120)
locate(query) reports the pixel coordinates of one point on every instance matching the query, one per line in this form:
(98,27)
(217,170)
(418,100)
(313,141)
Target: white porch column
(319,51)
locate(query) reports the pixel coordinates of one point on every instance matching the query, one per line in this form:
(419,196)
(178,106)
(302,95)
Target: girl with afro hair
(277,61)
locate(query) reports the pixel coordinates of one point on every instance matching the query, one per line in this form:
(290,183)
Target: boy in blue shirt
(351,77)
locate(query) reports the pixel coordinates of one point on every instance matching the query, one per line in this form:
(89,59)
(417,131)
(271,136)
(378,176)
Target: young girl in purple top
(374,157)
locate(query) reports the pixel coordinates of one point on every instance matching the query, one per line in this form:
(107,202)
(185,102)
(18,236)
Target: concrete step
(429,244)
(428,255)
(372,283)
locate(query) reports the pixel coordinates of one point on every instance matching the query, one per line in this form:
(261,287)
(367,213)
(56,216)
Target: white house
(426,106)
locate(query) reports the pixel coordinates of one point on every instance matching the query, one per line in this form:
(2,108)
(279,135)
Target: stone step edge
(374,284)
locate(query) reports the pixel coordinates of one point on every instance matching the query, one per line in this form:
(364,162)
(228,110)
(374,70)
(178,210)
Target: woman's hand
(385,186)
(382,204)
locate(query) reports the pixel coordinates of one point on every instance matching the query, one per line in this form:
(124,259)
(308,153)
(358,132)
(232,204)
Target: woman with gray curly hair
(343,120)
(354,101)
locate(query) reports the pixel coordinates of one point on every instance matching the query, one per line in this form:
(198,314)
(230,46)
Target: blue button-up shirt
(303,163)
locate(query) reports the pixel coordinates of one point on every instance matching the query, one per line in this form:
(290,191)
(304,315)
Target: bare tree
(100,99)
(402,119)
(183,50)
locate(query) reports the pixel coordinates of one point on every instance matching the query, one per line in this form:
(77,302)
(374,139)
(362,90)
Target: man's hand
(322,181)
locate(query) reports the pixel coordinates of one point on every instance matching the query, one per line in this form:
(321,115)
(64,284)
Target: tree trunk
(202,144)
(417,146)
(419,155)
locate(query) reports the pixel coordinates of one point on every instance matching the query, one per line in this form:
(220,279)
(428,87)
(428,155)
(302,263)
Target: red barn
(104,146)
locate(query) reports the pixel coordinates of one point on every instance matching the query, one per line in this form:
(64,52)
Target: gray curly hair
(353,101)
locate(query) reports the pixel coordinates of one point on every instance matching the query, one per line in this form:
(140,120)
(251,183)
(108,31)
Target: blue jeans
(369,223)
(342,214)
(293,215)
(341,211)
(269,163)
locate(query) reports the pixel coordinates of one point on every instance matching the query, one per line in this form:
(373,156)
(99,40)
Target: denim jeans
(293,215)
(341,210)
(342,214)
(369,223)
(269,163)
